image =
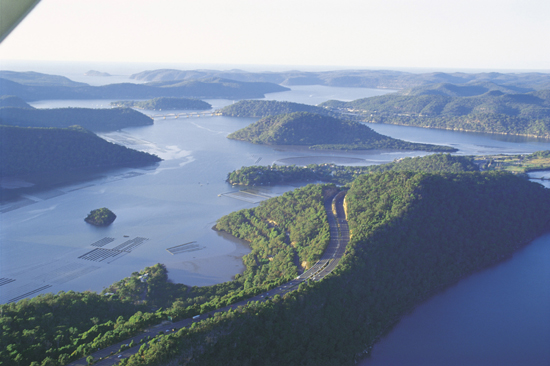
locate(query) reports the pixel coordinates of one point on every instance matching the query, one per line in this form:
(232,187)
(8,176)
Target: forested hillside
(323,132)
(264,108)
(26,150)
(165,103)
(282,174)
(440,107)
(284,233)
(413,234)
(90,119)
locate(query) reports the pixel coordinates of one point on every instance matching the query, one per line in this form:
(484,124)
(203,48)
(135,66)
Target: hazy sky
(446,34)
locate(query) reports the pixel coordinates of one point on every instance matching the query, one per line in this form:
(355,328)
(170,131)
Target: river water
(165,214)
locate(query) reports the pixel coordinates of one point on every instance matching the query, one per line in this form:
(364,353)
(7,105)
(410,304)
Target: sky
(434,34)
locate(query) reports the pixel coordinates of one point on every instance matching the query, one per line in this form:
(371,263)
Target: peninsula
(323,132)
(165,103)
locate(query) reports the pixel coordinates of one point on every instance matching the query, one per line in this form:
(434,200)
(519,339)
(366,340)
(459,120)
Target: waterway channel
(46,245)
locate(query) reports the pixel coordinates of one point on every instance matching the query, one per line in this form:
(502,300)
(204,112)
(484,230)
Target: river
(46,246)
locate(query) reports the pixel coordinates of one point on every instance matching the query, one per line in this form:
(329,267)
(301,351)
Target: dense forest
(458,108)
(264,108)
(322,132)
(331,173)
(90,119)
(413,234)
(27,150)
(383,79)
(26,88)
(165,103)
(285,233)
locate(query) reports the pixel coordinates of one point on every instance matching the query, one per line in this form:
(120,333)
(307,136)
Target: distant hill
(264,108)
(206,88)
(383,79)
(46,150)
(466,90)
(90,119)
(165,103)
(13,101)
(322,132)
(458,108)
(38,79)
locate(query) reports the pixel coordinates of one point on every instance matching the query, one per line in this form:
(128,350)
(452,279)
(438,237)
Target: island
(96,73)
(264,108)
(323,132)
(100,217)
(474,108)
(165,103)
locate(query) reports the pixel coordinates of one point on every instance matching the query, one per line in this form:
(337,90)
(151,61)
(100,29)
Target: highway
(339,238)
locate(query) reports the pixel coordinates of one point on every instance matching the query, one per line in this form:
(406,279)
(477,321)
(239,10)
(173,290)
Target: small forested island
(264,108)
(332,173)
(165,103)
(323,132)
(100,217)
(90,119)
(466,108)
(28,151)
(96,73)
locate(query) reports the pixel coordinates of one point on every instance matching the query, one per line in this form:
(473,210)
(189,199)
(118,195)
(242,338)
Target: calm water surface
(46,246)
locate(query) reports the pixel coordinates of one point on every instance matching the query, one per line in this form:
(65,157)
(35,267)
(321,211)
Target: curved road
(339,238)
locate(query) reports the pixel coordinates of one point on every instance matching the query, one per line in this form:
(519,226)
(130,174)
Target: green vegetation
(90,119)
(291,226)
(413,234)
(165,103)
(264,108)
(100,217)
(322,132)
(55,329)
(27,151)
(517,164)
(493,112)
(277,174)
